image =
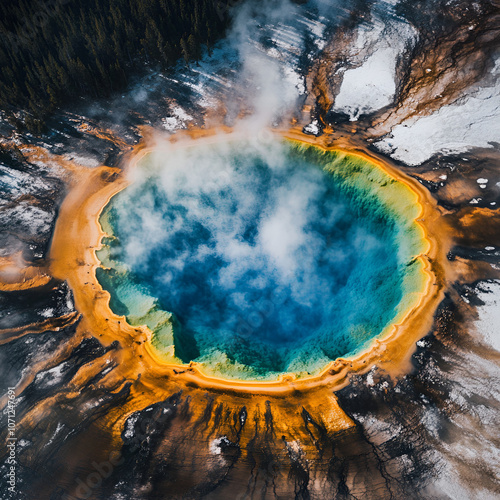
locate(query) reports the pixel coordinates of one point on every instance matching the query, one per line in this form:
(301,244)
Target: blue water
(268,262)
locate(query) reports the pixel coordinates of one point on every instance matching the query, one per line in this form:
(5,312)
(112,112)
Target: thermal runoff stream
(258,258)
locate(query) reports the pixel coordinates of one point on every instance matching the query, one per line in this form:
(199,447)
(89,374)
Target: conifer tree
(90,47)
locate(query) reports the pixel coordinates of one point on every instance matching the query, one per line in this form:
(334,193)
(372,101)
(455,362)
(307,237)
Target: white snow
(129,431)
(59,428)
(472,121)
(312,128)
(178,119)
(293,78)
(53,376)
(371,86)
(488,323)
(85,161)
(29,219)
(16,182)
(216,445)
(47,313)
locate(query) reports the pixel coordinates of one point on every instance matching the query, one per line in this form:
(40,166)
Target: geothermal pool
(258,258)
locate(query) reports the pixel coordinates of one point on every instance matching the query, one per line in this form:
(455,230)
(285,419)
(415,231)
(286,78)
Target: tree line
(53,51)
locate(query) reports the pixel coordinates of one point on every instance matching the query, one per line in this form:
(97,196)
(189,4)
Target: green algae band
(257,259)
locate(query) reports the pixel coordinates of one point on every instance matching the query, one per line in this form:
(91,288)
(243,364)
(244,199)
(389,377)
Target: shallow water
(269,257)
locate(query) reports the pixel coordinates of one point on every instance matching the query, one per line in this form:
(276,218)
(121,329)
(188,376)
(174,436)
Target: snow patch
(85,161)
(372,85)
(312,128)
(47,313)
(53,376)
(472,121)
(488,323)
(177,121)
(216,445)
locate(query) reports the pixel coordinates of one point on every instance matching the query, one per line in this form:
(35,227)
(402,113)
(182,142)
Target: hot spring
(260,258)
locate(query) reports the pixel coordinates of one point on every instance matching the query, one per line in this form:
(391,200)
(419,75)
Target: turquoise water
(260,259)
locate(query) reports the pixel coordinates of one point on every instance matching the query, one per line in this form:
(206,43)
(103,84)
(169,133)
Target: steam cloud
(248,242)
(245,245)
